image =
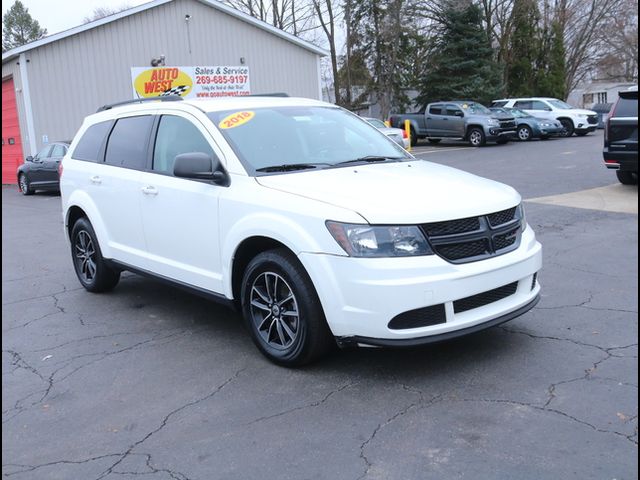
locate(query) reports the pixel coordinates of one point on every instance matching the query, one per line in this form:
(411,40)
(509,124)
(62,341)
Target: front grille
(501,217)
(534,280)
(484,298)
(475,238)
(457,251)
(451,227)
(592,119)
(421,317)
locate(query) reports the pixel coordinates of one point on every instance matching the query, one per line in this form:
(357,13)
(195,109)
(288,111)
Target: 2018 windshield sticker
(236,119)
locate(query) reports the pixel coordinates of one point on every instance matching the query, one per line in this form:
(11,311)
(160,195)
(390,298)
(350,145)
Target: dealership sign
(190,82)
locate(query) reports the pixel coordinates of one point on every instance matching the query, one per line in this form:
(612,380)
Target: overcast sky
(58,15)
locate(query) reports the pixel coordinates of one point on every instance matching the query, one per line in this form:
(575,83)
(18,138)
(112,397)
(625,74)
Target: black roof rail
(275,94)
(167,98)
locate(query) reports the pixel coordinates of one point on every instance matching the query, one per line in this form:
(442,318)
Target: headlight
(374,241)
(545,124)
(582,115)
(523,217)
(493,122)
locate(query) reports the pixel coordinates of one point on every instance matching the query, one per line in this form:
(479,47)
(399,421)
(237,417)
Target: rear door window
(538,105)
(524,104)
(89,146)
(127,145)
(435,110)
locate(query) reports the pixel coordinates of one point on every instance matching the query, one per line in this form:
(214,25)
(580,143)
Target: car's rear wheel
(476,137)
(282,310)
(94,273)
(24,185)
(627,178)
(524,133)
(568,127)
(414,137)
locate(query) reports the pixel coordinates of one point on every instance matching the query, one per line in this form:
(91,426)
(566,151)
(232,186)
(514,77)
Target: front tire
(476,137)
(567,124)
(93,272)
(24,185)
(627,178)
(282,310)
(524,133)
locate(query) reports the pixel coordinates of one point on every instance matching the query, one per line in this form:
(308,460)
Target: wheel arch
(80,205)
(471,126)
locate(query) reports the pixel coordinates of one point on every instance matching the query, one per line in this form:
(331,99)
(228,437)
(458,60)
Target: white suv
(574,120)
(309,220)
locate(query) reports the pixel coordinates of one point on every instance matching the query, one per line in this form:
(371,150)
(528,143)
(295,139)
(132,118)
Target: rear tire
(627,178)
(93,272)
(476,137)
(282,310)
(414,137)
(24,185)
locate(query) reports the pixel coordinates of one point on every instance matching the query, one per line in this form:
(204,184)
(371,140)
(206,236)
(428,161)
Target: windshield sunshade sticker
(236,119)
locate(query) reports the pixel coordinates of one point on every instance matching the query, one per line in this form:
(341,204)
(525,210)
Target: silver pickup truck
(458,120)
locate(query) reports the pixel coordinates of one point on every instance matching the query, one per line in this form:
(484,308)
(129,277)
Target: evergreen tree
(462,65)
(20,27)
(524,49)
(551,72)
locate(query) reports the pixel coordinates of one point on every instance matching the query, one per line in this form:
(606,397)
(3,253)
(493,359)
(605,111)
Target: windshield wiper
(288,167)
(369,159)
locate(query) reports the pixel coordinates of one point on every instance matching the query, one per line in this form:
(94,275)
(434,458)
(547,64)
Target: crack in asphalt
(302,407)
(585,305)
(417,404)
(165,420)
(31,468)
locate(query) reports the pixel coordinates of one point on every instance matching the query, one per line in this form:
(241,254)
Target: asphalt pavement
(151,382)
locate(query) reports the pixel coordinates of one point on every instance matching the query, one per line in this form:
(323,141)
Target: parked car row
(506,119)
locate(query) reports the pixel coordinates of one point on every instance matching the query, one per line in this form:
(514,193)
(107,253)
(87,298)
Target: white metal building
(50,85)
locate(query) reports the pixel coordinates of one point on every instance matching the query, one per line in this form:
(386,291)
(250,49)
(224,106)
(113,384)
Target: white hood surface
(399,193)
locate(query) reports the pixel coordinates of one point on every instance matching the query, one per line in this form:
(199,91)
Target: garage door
(11,145)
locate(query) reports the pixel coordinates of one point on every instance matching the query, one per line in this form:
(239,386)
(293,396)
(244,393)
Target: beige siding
(72,77)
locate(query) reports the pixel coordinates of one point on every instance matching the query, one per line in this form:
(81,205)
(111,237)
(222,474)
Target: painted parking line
(442,150)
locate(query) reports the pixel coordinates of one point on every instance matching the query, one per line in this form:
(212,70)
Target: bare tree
(293,16)
(101,12)
(326,15)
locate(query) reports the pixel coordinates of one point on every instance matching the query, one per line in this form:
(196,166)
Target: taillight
(404,134)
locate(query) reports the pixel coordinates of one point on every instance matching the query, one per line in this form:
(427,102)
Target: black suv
(621,137)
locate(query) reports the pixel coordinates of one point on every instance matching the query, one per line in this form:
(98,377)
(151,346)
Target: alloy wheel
(523,133)
(274,310)
(85,254)
(475,138)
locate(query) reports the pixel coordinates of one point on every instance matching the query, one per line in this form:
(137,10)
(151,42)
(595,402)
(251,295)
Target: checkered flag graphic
(175,90)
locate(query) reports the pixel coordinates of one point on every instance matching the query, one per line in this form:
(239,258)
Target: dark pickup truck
(458,120)
(621,137)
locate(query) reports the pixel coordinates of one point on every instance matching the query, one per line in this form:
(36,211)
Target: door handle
(150,190)
(96,180)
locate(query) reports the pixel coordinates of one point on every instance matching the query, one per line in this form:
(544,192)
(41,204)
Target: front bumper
(495,133)
(550,131)
(361,296)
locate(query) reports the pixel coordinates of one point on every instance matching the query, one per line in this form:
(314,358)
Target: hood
(582,111)
(399,193)
(502,116)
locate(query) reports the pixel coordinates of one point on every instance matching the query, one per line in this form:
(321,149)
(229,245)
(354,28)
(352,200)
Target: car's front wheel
(476,137)
(524,133)
(567,126)
(282,310)
(94,273)
(24,185)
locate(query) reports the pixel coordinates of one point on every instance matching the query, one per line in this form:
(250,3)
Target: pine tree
(462,65)
(524,49)
(20,27)
(551,72)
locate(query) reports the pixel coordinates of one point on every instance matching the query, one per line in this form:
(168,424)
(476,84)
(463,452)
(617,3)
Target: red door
(11,145)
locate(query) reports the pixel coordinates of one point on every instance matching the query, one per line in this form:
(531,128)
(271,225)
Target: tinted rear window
(89,145)
(128,141)
(435,110)
(627,107)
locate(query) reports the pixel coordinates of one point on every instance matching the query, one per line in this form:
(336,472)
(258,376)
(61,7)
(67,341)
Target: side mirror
(199,166)
(29,158)
(458,113)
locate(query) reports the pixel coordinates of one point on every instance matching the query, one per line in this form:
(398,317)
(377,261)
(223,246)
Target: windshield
(560,104)
(376,123)
(475,108)
(270,139)
(519,113)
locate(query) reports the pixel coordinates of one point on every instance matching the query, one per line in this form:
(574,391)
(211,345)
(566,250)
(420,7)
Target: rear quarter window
(627,107)
(89,146)
(127,145)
